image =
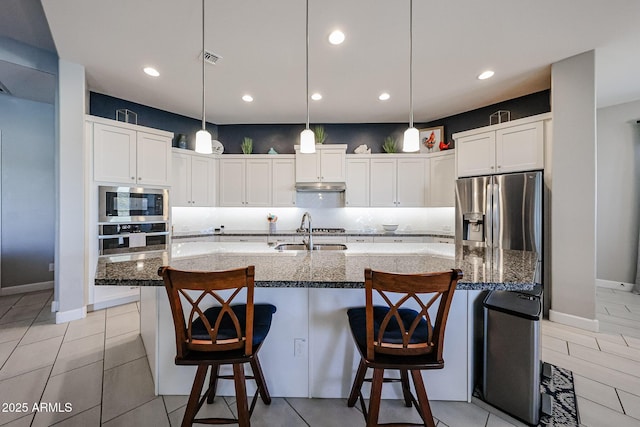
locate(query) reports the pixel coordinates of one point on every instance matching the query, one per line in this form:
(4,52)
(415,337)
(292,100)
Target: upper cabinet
(283,183)
(398,181)
(327,164)
(442,180)
(193,182)
(357,192)
(130,154)
(256,180)
(507,147)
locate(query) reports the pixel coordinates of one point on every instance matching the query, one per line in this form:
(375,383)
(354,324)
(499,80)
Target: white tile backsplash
(440,220)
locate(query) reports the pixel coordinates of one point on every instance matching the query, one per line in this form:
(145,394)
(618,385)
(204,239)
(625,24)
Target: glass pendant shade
(307,141)
(411,142)
(203,142)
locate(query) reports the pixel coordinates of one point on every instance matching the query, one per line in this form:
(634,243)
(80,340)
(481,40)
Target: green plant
(320,134)
(247,145)
(390,145)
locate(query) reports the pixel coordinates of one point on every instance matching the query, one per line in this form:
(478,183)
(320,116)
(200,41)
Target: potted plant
(320,134)
(390,145)
(247,145)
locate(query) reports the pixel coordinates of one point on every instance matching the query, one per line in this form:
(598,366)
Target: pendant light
(307,137)
(411,142)
(203,138)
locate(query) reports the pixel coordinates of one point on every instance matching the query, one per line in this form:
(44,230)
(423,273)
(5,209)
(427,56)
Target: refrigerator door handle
(495,220)
(488,238)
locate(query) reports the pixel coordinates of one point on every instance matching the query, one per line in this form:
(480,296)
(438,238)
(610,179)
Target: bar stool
(391,336)
(224,334)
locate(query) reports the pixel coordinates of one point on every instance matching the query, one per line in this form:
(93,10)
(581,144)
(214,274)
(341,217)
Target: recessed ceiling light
(336,37)
(151,71)
(247,98)
(486,75)
(384,96)
(316,96)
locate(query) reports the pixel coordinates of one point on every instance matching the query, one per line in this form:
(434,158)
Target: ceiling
(262,44)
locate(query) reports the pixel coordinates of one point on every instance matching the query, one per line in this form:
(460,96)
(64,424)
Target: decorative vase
(181,141)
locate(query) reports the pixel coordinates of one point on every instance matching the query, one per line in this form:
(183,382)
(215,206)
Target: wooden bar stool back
(226,332)
(391,336)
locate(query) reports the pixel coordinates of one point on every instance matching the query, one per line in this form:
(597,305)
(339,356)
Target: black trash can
(511,354)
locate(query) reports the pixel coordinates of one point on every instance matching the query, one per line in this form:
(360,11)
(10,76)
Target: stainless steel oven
(132,204)
(133,237)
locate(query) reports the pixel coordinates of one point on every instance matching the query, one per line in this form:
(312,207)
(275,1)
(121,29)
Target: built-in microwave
(132,204)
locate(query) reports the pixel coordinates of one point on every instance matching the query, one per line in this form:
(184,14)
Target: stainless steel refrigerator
(500,211)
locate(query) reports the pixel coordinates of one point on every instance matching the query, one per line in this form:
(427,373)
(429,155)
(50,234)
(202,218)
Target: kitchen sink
(318,247)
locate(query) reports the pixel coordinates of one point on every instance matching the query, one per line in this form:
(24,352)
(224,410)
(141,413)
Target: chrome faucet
(309,242)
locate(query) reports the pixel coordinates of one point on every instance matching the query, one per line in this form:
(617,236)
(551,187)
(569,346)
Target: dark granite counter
(483,269)
(177,236)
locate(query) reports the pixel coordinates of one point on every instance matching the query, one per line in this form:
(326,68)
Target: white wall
(71,248)
(618,192)
(573,191)
(437,220)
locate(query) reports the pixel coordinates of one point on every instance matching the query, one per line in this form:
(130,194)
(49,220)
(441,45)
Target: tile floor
(98,365)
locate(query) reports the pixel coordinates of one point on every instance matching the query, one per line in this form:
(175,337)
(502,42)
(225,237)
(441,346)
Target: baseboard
(113,302)
(576,321)
(31,287)
(610,284)
(69,315)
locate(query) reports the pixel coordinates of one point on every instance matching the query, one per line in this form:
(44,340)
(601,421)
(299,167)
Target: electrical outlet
(52,266)
(299,347)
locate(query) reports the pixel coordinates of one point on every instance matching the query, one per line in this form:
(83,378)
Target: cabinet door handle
(133,177)
(491,167)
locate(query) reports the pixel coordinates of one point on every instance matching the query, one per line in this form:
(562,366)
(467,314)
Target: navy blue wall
(282,137)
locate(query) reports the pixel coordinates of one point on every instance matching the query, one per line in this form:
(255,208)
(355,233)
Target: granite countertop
(482,268)
(403,233)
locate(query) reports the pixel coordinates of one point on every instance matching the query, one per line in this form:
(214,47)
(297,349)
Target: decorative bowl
(390,227)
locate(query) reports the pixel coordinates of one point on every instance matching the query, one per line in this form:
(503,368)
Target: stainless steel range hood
(319,187)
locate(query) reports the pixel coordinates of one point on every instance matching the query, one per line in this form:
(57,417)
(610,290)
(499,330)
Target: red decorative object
(444,146)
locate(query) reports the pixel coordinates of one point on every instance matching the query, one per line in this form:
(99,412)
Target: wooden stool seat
(394,337)
(222,334)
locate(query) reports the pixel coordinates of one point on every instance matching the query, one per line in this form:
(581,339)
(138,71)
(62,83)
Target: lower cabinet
(398,239)
(256,239)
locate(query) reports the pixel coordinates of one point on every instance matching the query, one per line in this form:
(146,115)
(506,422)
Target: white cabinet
(232,181)
(254,239)
(398,239)
(129,154)
(256,180)
(359,239)
(327,164)
(283,184)
(398,181)
(507,147)
(357,193)
(520,148)
(442,179)
(193,179)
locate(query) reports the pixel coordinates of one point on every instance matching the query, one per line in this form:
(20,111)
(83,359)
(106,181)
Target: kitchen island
(309,351)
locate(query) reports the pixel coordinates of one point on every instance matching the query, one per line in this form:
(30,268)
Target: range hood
(319,187)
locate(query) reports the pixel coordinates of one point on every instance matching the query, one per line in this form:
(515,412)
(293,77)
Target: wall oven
(132,204)
(132,220)
(128,238)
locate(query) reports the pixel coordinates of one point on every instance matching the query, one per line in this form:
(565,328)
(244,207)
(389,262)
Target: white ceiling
(263,48)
